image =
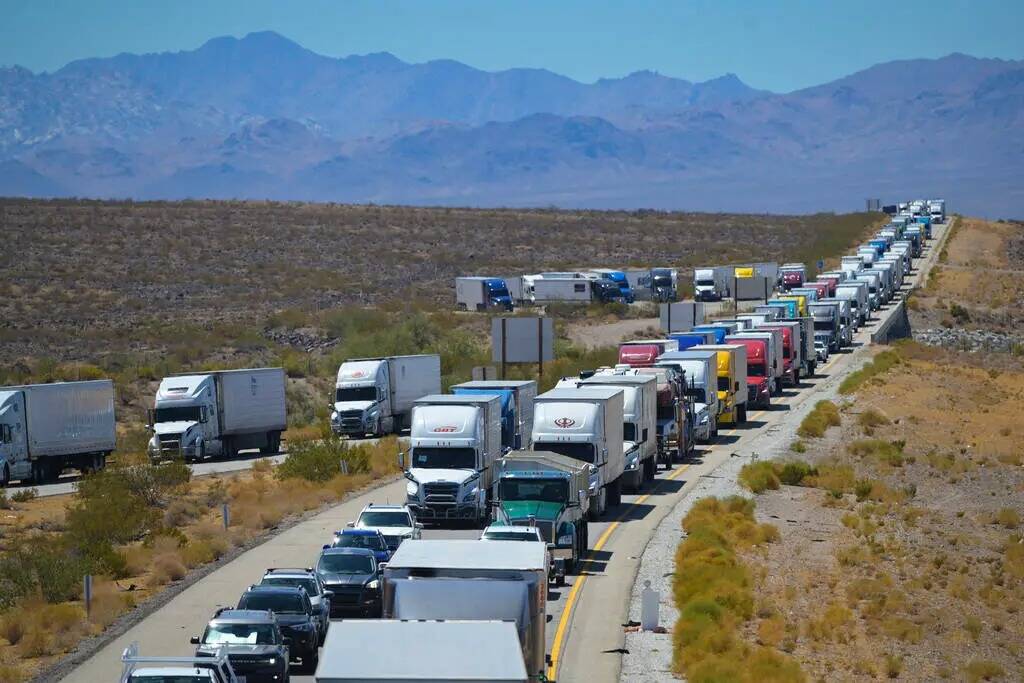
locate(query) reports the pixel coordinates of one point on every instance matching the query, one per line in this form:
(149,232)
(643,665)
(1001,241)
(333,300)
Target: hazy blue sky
(780,45)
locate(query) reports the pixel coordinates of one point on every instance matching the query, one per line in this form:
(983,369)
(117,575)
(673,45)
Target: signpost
(522,340)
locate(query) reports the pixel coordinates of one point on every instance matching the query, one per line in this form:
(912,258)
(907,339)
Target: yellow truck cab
(801,302)
(732,381)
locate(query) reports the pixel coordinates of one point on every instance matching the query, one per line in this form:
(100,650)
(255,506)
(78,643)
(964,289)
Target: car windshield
(510,536)
(157,678)
(346,394)
(239,634)
(282,603)
(375,518)
(336,563)
(373,542)
(310,585)
(177,414)
(548,490)
(576,451)
(444,458)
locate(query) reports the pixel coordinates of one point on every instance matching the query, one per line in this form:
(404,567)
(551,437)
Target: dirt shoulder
(902,556)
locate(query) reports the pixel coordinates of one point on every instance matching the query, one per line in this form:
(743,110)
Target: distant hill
(262,117)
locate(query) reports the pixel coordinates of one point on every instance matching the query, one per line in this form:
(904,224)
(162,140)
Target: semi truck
(454,442)
(663,284)
(548,491)
(857,293)
(774,361)
(554,289)
(826,321)
(375,395)
(517,409)
(700,375)
(685,340)
(639,422)
(793,275)
(585,424)
(199,416)
(716,329)
(760,383)
(732,381)
(675,418)
(874,293)
(47,428)
(619,278)
(473,580)
(482,293)
(713,283)
(792,348)
(845,320)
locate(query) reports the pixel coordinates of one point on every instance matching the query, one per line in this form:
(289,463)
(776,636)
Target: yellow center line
(570,601)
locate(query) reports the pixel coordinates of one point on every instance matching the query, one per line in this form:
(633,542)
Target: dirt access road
(585,632)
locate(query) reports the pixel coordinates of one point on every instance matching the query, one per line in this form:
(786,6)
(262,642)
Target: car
(295,616)
(528,534)
(214,669)
(395,522)
(821,350)
(371,539)
(308,580)
(252,640)
(353,577)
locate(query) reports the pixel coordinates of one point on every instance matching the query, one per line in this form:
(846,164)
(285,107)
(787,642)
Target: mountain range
(262,117)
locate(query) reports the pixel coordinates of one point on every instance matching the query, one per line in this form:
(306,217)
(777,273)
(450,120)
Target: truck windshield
(239,634)
(169,678)
(509,536)
(665,281)
(629,431)
(547,490)
(177,414)
(696,393)
(723,384)
(444,458)
(345,394)
(576,451)
(755,369)
(699,283)
(497,291)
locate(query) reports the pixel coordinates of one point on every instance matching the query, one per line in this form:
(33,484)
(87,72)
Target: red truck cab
(791,279)
(822,288)
(832,283)
(758,385)
(639,355)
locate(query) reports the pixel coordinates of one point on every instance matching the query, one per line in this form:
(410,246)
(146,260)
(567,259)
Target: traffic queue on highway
(530,470)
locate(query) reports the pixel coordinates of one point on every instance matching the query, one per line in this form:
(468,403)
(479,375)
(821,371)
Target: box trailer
(681,316)
(639,423)
(754,288)
(432,651)
(47,428)
(474,580)
(198,416)
(522,393)
(375,395)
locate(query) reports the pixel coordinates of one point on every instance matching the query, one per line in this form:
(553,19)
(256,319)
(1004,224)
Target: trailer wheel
(615,492)
(5,476)
(741,412)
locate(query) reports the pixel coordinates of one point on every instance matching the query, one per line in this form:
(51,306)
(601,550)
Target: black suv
(308,580)
(352,575)
(254,642)
(295,615)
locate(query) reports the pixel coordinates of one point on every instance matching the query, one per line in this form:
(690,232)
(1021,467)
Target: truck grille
(443,493)
(170,442)
(547,529)
(351,419)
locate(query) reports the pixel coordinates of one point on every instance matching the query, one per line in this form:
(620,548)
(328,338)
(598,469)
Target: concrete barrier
(895,326)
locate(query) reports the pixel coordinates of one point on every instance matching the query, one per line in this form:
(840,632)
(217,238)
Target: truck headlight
(334,416)
(565,540)
(705,419)
(412,488)
(471,494)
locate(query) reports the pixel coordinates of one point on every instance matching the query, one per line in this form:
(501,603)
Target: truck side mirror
(737,387)
(401,460)
(194,640)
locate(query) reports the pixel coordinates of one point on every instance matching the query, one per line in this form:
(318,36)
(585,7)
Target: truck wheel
(741,413)
(5,476)
(615,492)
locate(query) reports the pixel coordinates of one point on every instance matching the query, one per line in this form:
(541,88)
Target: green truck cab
(549,491)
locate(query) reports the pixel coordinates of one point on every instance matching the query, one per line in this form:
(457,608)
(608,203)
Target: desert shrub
(759,476)
(983,670)
(316,461)
(862,488)
(973,626)
(893,665)
(959,313)
(713,590)
(798,447)
(835,478)
(107,604)
(11,673)
(39,566)
(794,472)
(881,363)
(831,625)
(824,415)
(1008,517)
(885,452)
(24,495)
(13,625)
(870,419)
(5,502)
(167,567)
(902,629)
(1013,557)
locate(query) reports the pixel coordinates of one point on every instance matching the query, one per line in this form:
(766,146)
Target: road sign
(821,264)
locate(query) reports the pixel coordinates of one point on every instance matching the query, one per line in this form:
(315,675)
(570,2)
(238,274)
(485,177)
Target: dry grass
(817,422)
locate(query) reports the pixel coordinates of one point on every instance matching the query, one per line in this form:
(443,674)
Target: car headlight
(412,488)
(565,540)
(373,585)
(271,662)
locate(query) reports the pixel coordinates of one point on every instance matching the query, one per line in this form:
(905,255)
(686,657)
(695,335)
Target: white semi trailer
(47,428)
(218,414)
(375,395)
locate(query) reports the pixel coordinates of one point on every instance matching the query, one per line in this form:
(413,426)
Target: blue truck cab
(879,245)
(719,332)
(926,221)
(620,279)
(497,291)
(508,412)
(693,338)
